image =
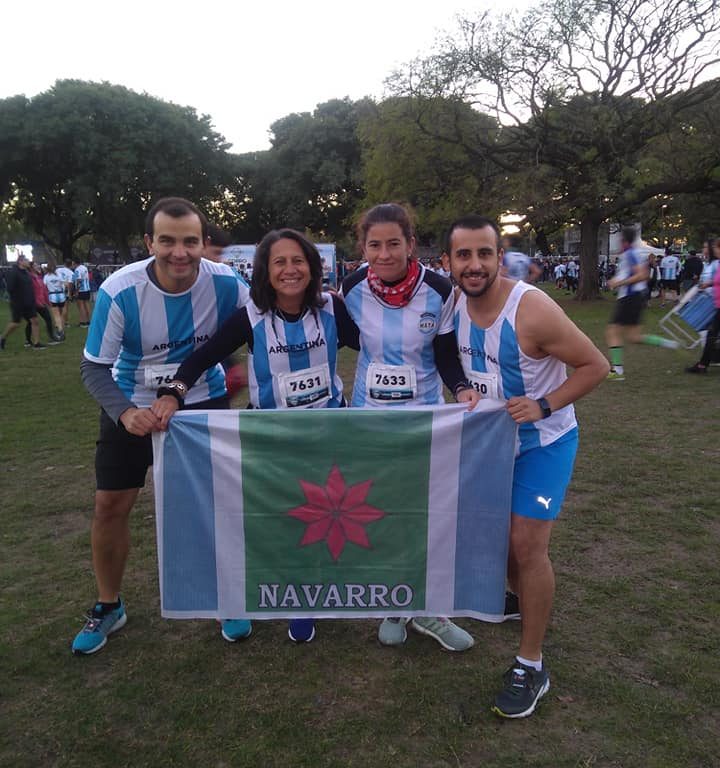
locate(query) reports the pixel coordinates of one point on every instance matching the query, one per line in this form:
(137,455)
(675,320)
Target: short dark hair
(386,213)
(471,221)
(176,207)
(629,235)
(262,293)
(711,249)
(218,236)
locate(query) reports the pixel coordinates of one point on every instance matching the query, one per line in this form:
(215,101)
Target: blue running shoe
(301,630)
(235,629)
(99,624)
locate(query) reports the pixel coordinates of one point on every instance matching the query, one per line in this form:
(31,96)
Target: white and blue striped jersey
(144,333)
(496,351)
(517,265)
(81,277)
(669,267)
(56,287)
(708,274)
(66,274)
(399,336)
(292,361)
(629,259)
(307,347)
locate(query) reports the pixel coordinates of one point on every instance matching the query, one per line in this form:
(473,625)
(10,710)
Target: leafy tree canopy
(596,103)
(89,157)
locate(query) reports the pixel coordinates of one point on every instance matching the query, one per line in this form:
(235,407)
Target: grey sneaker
(392,631)
(449,635)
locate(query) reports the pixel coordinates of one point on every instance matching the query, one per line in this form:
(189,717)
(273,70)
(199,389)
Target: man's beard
(478,292)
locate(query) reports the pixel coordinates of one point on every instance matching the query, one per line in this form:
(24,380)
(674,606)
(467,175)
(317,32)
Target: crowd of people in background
(47,291)
(57,287)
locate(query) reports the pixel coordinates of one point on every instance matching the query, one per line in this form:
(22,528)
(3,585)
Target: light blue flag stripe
(483,520)
(189,574)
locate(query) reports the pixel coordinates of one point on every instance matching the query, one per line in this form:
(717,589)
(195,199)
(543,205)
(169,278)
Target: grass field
(632,648)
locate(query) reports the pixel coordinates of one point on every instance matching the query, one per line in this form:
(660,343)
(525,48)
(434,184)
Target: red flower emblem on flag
(336,513)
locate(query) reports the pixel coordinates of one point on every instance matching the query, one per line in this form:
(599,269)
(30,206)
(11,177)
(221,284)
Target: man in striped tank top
(514,344)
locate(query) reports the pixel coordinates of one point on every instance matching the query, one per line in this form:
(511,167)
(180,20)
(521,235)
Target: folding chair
(692,314)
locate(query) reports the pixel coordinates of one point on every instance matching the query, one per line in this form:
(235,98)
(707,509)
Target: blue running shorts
(542,476)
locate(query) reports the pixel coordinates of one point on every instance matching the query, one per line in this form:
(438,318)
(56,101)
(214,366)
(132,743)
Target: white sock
(536,665)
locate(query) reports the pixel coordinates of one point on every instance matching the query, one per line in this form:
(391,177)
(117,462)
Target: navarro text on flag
(334,512)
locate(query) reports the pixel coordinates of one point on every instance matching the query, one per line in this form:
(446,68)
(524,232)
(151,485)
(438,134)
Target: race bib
(157,375)
(306,388)
(391,383)
(485,384)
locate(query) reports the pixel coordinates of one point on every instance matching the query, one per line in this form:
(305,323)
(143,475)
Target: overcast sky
(246,64)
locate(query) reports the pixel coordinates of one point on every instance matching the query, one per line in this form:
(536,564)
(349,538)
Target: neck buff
(399,294)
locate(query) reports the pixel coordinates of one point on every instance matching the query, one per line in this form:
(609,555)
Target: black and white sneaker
(524,687)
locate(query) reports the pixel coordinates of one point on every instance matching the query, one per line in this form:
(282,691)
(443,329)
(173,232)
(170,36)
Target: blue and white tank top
(145,333)
(496,365)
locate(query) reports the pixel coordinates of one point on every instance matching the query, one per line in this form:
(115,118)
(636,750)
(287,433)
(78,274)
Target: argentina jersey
(145,333)
(498,368)
(628,260)
(669,267)
(81,278)
(396,363)
(293,364)
(56,287)
(517,265)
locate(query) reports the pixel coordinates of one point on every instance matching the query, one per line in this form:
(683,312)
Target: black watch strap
(175,389)
(544,407)
(462,384)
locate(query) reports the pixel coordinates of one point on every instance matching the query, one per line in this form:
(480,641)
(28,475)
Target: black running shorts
(629,309)
(122,459)
(20,312)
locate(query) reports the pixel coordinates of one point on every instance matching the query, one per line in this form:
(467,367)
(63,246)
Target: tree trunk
(589,285)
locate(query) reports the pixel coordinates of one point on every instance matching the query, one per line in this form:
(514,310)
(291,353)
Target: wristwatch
(175,389)
(460,386)
(544,407)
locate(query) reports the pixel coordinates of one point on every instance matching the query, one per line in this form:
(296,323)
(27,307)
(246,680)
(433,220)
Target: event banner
(334,512)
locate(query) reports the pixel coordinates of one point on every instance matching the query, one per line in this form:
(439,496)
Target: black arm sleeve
(99,382)
(235,332)
(446,359)
(348,332)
